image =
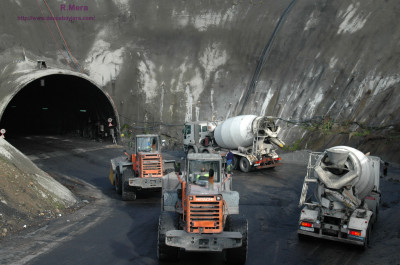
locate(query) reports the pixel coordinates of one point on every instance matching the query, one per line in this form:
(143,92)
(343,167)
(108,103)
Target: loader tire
(244,164)
(237,223)
(118,182)
(168,170)
(127,193)
(168,221)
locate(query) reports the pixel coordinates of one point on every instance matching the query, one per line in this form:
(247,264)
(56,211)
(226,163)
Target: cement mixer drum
(235,132)
(343,166)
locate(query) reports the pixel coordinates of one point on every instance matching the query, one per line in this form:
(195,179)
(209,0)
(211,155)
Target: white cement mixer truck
(250,138)
(346,196)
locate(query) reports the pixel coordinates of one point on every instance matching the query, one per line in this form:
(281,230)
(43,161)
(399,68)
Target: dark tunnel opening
(59,104)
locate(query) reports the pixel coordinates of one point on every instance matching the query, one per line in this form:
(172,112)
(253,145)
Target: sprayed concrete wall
(331,71)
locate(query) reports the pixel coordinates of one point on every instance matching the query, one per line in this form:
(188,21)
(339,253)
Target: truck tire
(127,193)
(168,221)
(367,237)
(235,162)
(302,237)
(244,164)
(118,182)
(237,223)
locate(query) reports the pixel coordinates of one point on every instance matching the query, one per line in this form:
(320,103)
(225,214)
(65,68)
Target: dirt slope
(28,195)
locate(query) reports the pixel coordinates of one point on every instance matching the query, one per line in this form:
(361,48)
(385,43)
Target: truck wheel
(367,237)
(244,164)
(235,162)
(237,223)
(127,193)
(168,221)
(118,182)
(191,150)
(302,237)
(375,218)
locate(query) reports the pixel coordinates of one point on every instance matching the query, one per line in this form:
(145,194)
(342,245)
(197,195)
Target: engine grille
(205,214)
(151,166)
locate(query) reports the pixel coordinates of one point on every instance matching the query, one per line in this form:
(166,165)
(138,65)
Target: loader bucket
(111,177)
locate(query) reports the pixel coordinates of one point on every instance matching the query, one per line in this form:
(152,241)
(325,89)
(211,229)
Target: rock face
(331,66)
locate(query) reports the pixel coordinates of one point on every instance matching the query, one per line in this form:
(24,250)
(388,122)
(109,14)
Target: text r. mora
(73,7)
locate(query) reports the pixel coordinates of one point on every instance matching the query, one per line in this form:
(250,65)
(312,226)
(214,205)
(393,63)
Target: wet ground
(110,231)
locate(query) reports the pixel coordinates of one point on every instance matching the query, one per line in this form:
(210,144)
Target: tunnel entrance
(59,104)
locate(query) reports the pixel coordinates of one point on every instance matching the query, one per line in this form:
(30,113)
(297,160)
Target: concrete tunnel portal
(59,104)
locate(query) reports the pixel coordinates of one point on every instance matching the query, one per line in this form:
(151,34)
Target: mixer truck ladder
(309,178)
(255,145)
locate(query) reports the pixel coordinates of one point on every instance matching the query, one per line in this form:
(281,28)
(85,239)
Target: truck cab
(200,212)
(194,133)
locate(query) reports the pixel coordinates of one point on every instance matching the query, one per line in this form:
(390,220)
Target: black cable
(261,60)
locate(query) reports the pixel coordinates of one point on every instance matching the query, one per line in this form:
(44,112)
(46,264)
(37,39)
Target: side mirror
(177,166)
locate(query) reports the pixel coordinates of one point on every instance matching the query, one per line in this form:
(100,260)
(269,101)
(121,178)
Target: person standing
(113,135)
(211,179)
(154,145)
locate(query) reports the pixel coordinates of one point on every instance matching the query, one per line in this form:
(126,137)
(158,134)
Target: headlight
(218,198)
(190,198)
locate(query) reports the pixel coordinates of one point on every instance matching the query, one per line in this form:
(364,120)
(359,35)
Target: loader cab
(147,143)
(199,166)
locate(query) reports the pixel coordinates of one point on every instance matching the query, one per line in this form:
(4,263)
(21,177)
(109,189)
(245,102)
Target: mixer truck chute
(250,138)
(346,196)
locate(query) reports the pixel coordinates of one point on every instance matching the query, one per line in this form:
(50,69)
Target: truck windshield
(147,144)
(200,170)
(187,130)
